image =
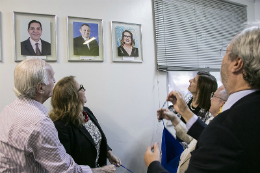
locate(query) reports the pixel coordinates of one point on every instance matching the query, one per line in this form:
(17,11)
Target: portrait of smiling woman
(127,45)
(78,129)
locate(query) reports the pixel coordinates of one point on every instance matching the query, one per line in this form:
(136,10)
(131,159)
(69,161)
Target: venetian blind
(190,33)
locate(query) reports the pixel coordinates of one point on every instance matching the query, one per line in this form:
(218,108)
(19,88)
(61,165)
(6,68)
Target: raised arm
(180,105)
(179,126)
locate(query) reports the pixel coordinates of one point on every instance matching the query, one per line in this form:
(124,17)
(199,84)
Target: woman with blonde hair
(78,128)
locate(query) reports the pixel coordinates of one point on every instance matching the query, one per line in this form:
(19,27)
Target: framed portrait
(35,36)
(126,42)
(85,39)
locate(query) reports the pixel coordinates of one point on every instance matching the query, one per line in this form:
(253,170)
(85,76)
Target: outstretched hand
(168,115)
(180,105)
(113,159)
(178,101)
(151,156)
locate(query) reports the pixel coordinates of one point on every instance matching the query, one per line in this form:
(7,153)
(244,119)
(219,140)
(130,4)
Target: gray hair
(223,94)
(246,45)
(27,75)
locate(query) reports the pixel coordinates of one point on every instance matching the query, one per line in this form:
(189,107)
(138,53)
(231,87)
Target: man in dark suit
(83,45)
(230,143)
(34,45)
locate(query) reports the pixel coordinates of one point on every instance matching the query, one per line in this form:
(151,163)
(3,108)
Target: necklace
(191,107)
(86,116)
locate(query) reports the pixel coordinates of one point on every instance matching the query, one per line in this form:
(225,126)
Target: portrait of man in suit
(34,45)
(85,44)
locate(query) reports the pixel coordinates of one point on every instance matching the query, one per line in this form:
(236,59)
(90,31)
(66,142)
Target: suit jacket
(230,143)
(156,167)
(186,154)
(27,49)
(82,49)
(79,144)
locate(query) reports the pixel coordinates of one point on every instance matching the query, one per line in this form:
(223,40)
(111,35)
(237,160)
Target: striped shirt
(29,141)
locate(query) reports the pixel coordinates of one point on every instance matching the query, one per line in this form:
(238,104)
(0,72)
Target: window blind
(190,33)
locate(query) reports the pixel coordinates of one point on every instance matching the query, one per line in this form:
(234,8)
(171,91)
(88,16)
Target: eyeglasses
(223,51)
(127,36)
(213,95)
(81,87)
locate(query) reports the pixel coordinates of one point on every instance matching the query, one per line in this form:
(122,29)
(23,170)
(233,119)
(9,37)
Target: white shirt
(86,39)
(34,46)
(233,98)
(29,141)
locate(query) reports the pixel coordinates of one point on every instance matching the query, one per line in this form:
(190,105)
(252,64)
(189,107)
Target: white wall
(250,8)
(123,96)
(257,10)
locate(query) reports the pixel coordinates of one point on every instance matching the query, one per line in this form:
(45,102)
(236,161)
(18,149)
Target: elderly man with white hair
(28,139)
(230,143)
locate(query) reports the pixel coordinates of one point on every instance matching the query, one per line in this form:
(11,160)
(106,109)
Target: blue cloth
(171,151)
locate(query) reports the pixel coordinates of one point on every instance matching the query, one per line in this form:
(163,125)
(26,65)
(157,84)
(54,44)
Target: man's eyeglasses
(223,51)
(213,95)
(81,87)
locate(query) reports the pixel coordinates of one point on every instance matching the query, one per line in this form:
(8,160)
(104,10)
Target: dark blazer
(82,49)
(27,49)
(156,167)
(122,52)
(230,143)
(79,144)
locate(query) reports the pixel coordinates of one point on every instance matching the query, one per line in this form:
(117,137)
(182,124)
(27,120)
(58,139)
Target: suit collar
(29,47)
(86,134)
(235,97)
(44,47)
(34,42)
(85,39)
(85,131)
